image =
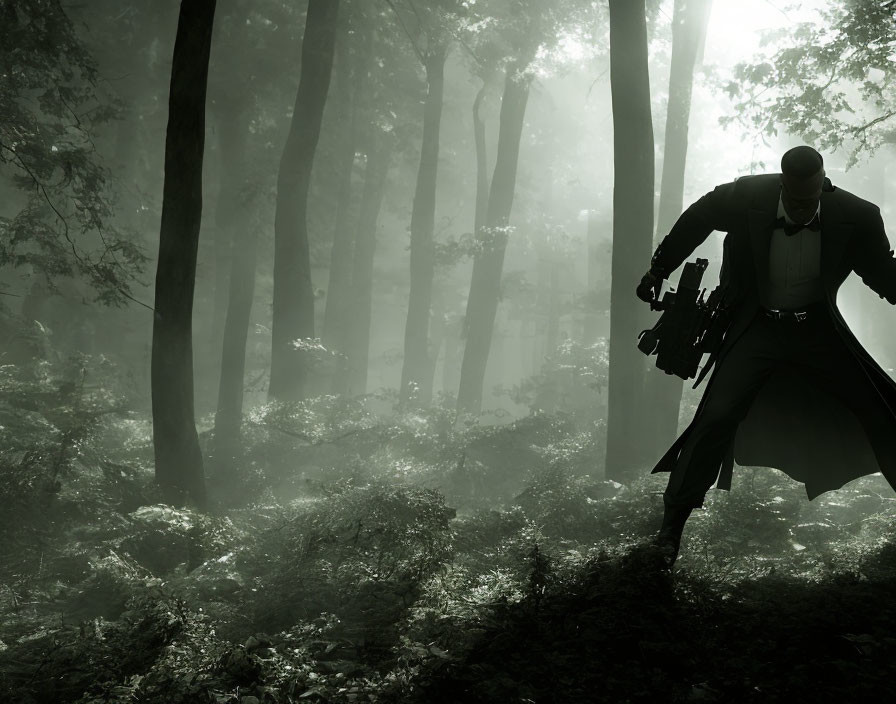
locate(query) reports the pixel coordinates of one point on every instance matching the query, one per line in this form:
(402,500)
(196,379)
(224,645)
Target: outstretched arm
(873,258)
(714,211)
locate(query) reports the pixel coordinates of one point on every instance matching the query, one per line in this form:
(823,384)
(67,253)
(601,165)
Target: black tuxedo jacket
(790,426)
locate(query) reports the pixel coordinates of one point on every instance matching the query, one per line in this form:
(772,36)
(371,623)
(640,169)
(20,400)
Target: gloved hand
(649,288)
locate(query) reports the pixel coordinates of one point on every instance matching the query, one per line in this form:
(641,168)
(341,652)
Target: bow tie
(792,228)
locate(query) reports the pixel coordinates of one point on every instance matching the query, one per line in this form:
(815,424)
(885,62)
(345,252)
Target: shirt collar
(783,214)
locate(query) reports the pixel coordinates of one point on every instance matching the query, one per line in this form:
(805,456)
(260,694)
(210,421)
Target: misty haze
(447,351)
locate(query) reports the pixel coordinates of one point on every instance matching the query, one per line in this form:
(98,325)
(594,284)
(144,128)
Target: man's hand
(649,288)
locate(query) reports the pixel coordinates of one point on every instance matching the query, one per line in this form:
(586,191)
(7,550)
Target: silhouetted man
(792,387)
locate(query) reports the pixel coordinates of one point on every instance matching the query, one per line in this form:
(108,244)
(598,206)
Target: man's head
(802,178)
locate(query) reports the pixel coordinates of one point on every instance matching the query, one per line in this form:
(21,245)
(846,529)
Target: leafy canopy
(831,82)
(50,104)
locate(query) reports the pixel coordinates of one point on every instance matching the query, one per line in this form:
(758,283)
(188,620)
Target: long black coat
(791,426)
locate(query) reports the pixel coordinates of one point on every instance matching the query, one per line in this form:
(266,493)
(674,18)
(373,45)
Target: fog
(319,328)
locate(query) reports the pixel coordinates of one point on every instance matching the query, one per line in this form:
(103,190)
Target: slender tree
(348,80)
(416,382)
(441,332)
(358,338)
(633,173)
(229,101)
(178,460)
(234,235)
(481,160)
(689,21)
(383,109)
(293,303)
(226,111)
(510,38)
(451,326)
(485,286)
(233,136)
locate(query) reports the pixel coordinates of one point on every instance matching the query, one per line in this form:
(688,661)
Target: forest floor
(357,557)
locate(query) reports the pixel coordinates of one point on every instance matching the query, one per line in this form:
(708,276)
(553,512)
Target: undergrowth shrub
(58,474)
(572,380)
(298,449)
(50,414)
(291,449)
(162,538)
(361,553)
(568,507)
(509,564)
(496,462)
(86,657)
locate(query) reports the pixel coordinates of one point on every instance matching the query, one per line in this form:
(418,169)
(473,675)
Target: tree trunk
(336,311)
(436,335)
(293,304)
(632,231)
(688,29)
(485,286)
(594,257)
(414,385)
(481,162)
(224,212)
(663,391)
(178,460)
(240,291)
(454,332)
(451,364)
(362,271)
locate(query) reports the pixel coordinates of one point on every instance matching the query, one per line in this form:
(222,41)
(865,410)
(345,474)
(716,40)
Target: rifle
(690,326)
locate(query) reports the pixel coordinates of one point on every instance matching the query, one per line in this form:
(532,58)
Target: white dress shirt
(794,273)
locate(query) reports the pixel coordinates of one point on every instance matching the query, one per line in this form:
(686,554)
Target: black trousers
(810,347)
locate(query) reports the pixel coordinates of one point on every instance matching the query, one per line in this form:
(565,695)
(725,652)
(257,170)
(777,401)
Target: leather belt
(797,316)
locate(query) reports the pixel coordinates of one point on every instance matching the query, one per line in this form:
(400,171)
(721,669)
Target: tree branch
(90,266)
(40,186)
(414,44)
(875,121)
(469,50)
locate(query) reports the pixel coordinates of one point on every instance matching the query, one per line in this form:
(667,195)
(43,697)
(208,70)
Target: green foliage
(363,554)
(568,507)
(571,380)
(830,82)
(161,538)
(363,583)
(289,447)
(50,414)
(96,652)
(517,31)
(295,449)
(50,106)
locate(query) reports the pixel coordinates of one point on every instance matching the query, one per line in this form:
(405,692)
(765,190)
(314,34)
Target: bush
(361,553)
(99,656)
(568,507)
(571,381)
